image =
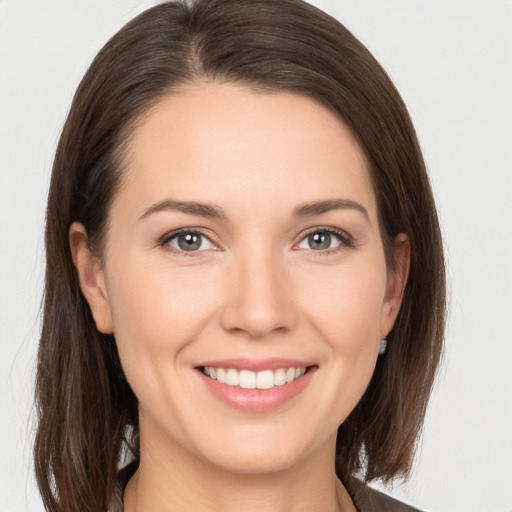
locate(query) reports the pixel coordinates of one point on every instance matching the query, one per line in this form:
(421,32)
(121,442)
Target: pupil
(189,242)
(320,240)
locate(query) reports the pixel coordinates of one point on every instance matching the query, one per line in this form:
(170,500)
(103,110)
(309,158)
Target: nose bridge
(259,299)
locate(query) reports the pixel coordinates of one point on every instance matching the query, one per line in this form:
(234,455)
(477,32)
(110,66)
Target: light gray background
(452,62)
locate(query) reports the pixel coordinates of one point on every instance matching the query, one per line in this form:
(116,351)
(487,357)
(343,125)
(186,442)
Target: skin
(257,288)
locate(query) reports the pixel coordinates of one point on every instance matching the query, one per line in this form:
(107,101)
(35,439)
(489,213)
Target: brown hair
(87,411)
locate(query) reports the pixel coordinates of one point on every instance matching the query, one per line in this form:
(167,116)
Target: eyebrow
(215,212)
(191,207)
(320,207)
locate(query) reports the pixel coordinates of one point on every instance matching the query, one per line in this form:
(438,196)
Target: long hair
(87,411)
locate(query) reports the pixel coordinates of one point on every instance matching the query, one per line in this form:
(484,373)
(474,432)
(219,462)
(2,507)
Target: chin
(260,450)
(257,460)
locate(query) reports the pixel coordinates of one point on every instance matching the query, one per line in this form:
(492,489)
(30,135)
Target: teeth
(248,379)
(280,377)
(221,375)
(265,379)
(232,377)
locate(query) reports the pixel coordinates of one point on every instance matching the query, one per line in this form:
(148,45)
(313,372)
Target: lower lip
(257,400)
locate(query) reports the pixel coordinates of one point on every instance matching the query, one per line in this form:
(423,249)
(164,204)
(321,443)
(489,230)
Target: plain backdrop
(452,62)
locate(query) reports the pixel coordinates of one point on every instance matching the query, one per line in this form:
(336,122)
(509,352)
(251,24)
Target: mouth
(256,386)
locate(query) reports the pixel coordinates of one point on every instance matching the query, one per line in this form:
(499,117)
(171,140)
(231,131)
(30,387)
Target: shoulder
(367,499)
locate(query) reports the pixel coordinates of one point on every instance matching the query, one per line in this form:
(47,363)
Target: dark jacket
(367,499)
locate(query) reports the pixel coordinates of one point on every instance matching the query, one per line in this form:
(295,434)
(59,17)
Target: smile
(256,385)
(247,379)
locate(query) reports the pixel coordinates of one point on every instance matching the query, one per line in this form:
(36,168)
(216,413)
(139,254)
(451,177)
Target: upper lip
(256,365)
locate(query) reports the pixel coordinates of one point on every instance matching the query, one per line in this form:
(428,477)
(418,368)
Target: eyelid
(347,240)
(164,241)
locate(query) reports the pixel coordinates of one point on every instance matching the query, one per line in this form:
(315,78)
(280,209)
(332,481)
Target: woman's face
(244,238)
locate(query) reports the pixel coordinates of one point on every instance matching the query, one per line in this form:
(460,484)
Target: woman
(245,282)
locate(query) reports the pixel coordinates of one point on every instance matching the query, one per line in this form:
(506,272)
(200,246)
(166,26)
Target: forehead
(210,141)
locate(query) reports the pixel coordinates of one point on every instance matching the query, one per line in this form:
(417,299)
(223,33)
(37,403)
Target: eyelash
(346,240)
(168,237)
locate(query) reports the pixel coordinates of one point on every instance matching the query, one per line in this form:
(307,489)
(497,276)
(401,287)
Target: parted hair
(87,412)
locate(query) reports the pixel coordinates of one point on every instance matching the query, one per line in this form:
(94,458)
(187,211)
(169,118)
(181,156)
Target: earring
(383,345)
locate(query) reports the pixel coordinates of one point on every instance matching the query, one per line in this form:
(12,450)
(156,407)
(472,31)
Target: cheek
(346,305)
(344,308)
(348,321)
(156,313)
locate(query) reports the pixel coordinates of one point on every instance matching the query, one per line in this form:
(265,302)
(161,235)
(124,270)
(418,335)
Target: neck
(173,479)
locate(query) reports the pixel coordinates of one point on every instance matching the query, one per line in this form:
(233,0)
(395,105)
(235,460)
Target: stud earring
(383,345)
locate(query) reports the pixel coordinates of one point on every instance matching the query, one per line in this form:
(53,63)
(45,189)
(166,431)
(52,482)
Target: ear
(397,280)
(91,278)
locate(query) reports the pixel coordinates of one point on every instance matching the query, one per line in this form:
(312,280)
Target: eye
(187,240)
(325,239)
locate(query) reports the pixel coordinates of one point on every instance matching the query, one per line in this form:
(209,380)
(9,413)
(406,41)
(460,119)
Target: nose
(259,297)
